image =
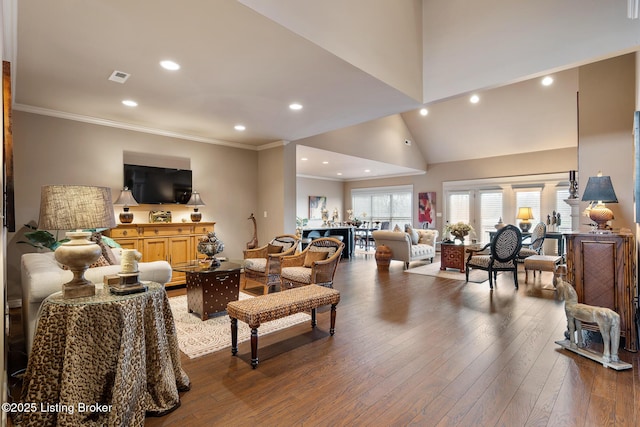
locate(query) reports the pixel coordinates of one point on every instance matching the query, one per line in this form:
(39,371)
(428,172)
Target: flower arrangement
(458,230)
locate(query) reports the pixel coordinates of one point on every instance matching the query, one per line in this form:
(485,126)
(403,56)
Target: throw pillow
(313,256)
(274,249)
(397,229)
(413,234)
(286,243)
(107,253)
(101,262)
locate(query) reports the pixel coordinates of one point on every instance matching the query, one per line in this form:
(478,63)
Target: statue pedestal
(618,366)
(575,213)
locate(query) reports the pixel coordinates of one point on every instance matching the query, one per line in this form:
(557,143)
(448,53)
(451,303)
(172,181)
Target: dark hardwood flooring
(414,350)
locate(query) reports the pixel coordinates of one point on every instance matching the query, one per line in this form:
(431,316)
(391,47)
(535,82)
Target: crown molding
(127,126)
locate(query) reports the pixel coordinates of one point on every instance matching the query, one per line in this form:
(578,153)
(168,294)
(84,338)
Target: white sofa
(42,276)
(403,248)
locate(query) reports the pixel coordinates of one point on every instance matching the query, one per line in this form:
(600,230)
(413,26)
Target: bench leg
(254,347)
(333,319)
(234,336)
(313,317)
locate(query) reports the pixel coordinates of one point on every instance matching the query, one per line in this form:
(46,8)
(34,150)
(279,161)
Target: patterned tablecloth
(106,360)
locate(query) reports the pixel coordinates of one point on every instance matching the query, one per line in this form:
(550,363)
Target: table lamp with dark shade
(76,207)
(125,200)
(598,191)
(195,201)
(525,214)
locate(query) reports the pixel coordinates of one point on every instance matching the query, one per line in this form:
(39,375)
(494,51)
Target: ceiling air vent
(119,76)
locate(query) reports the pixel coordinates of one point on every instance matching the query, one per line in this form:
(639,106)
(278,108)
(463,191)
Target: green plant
(41,239)
(301,222)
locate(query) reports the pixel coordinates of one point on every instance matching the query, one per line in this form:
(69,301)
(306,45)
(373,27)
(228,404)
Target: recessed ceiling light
(367,170)
(547,81)
(304,159)
(325,163)
(239,127)
(339,173)
(474,99)
(295,106)
(130,103)
(170,65)
(424,112)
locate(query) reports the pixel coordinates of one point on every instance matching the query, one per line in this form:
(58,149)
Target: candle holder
(573,189)
(573,185)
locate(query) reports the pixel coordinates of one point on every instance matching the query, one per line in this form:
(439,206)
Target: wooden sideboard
(173,242)
(602,268)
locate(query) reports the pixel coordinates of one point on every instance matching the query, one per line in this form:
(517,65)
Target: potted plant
(41,239)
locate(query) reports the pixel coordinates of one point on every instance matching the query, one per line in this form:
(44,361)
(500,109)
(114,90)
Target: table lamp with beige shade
(126,199)
(598,191)
(76,207)
(196,202)
(525,215)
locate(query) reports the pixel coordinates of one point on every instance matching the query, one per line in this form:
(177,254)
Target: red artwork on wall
(427,209)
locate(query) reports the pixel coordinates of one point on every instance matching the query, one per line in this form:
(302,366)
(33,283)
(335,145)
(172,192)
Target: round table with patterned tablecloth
(106,360)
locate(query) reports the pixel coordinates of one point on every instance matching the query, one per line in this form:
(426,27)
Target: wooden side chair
(263,264)
(316,264)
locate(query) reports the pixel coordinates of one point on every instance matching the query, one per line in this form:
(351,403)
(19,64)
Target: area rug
(433,269)
(197,338)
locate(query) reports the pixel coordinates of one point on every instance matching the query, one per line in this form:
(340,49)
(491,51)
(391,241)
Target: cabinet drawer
(172,230)
(203,229)
(124,232)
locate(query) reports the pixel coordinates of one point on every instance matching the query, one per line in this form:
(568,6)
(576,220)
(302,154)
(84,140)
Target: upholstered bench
(254,311)
(541,263)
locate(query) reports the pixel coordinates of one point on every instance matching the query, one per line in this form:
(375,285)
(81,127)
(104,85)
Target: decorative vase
(383,257)
(459,236)
(210,245)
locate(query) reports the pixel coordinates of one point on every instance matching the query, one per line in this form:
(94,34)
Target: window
(529,198)
(393,204)
(458,207)
(563,209)
(490,213)
(483,202)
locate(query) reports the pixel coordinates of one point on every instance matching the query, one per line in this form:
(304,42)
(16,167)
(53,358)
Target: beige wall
(56,151)
(332,190)
(271,170)
(381,140)
(381,37)
(607,99)
(471,45)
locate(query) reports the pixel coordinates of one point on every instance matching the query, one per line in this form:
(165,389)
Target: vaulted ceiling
(244,64)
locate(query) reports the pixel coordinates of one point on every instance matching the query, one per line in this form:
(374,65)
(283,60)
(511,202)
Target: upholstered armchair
(263,264)
(535,247)
(501,256)
(316,264)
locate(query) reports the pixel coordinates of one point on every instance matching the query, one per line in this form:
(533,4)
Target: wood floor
(414,350)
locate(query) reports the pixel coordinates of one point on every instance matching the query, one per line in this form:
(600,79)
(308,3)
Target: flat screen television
(153,185)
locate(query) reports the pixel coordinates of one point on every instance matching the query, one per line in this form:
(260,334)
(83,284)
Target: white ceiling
(238,67)
(330,165)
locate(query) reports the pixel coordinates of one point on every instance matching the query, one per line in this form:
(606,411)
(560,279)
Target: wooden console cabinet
(602,268)
(172,242)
